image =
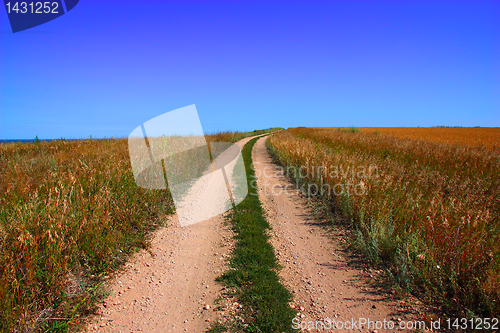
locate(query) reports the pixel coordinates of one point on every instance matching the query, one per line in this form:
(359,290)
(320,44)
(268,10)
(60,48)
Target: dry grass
(464,136)
(430,210)
(70,213)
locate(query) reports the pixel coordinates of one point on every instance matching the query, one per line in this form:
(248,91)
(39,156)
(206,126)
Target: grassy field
(465,136)
(420,202)
(70,214)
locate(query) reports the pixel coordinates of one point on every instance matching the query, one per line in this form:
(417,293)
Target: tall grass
(70,213)
(431,211)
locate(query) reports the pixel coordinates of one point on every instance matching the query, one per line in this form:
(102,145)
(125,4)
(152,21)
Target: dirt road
(172,288)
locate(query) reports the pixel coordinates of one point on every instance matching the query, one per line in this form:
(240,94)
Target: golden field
(463,136)
(427,209)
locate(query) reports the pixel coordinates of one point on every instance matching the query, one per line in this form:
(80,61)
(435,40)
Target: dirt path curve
(326,282)
(171,287)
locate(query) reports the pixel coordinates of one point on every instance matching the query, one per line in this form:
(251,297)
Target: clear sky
(106,67)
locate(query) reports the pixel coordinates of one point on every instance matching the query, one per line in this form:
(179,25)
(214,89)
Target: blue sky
(106,67)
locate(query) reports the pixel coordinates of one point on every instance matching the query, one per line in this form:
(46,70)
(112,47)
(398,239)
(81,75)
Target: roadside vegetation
(427,211)
(253,271)
(70,214)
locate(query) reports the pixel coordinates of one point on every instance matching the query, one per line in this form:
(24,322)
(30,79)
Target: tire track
(171,287)
(326,281)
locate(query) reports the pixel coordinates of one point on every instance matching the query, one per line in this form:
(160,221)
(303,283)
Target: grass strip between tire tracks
(253,265)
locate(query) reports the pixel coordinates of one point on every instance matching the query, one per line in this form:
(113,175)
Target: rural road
(172,287)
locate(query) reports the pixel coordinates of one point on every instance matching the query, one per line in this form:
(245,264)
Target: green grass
(349,129)
(253,265)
